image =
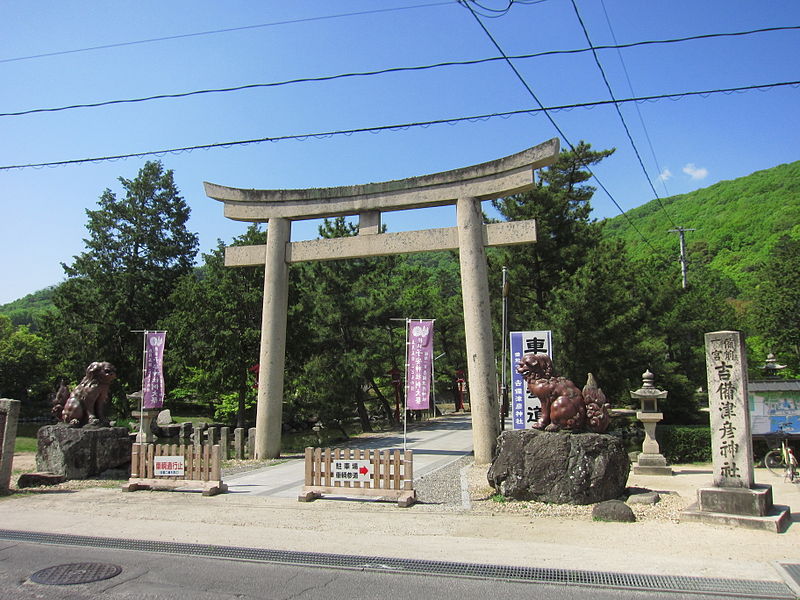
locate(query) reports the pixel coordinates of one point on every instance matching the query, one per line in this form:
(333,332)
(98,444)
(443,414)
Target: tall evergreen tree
(138,248)
(215,330)
(598,319)
(775,314)
(560,204)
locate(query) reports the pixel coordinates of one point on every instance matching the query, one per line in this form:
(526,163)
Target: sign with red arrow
(351,470)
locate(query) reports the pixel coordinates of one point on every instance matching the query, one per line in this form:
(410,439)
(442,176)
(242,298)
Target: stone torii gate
(465,187)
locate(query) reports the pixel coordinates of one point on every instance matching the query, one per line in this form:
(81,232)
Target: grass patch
(26,437)
(499,498)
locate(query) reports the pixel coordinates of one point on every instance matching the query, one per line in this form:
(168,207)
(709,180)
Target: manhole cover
(76,573)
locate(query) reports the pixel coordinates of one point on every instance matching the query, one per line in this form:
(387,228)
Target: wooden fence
(385,474)
(198,469)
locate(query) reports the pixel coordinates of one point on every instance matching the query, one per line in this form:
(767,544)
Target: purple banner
(419,364)
(153,376)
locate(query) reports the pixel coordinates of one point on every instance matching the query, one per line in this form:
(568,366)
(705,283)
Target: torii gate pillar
(272,355)
(465,188)
(478,329)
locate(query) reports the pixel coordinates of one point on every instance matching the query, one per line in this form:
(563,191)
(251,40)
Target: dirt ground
(489,532)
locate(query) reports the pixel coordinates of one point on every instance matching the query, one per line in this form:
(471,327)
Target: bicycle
(782,461)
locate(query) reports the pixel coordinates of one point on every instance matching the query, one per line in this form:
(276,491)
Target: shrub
(685,443)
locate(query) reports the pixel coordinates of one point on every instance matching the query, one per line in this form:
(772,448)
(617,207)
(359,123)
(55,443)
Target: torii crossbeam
(465,187)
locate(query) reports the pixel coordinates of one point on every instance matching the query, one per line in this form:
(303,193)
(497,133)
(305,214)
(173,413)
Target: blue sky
(696,140)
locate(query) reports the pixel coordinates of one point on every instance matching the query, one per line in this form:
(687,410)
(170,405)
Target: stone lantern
(650,461)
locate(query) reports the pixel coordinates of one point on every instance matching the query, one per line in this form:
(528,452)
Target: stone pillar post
(238,443)
(185,435)
(478,329)
(145,418)
(273,341)
(251,443)
(9,415)
(224,443)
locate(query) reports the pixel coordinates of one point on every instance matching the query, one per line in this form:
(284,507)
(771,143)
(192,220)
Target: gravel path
(462,486)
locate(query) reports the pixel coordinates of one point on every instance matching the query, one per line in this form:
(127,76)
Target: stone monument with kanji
(734,498)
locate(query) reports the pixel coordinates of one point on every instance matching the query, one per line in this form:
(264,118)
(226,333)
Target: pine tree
(215,329)
(138,247)
(560,204)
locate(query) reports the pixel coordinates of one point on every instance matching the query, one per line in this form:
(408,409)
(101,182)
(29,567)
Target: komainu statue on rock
(86,405)
(564,406)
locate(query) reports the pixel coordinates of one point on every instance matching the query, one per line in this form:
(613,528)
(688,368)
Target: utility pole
(684,261)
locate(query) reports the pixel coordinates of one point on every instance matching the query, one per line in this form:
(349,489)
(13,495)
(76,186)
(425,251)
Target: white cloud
(692,171)
(665,175)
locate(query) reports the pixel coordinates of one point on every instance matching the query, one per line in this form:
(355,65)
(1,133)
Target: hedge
(684,443)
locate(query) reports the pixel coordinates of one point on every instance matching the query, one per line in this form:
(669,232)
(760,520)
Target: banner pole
(405,388)
(142,433)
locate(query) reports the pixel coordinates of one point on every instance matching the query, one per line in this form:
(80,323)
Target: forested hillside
(736,223)
(26,310)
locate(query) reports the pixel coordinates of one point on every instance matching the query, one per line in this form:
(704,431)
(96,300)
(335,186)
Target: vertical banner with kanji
(419,364)
(153,375)
(731,442)
(526,408)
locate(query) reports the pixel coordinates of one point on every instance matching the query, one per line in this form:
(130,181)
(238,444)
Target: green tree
(677,320)
(560,204)
(215,330)
(137,250)
(23,362)
(597,320)
(338,315)
(775,312)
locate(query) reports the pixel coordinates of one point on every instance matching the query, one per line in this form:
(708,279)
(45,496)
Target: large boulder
(78,453)
(559,467)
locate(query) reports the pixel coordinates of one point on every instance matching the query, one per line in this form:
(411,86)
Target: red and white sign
(168,466)
(352,470)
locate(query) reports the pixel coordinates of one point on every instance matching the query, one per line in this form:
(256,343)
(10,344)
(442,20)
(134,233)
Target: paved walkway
(435,445)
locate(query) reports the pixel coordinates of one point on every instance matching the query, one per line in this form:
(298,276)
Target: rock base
(27,480)
(79,453)
(559,467)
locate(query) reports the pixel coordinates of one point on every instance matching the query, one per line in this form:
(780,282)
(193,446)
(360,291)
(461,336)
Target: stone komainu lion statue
(87,402)
(564,406)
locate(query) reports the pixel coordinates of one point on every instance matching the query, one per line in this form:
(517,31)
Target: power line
(619,112)
(219,31)
(438,65)
(405,126)
(557,128)
(633,93)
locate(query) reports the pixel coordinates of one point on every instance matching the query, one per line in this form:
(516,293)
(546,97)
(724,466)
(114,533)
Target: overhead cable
(403,126)
(636,106)
(556,126)
(218,31)
(321,78)
(619,111)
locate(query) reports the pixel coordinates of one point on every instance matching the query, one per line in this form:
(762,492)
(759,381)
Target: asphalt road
(174,577)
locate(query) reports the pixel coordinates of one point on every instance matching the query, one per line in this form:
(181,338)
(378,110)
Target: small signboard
(352,470)
(169,466)
(774,406)
(526,408)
